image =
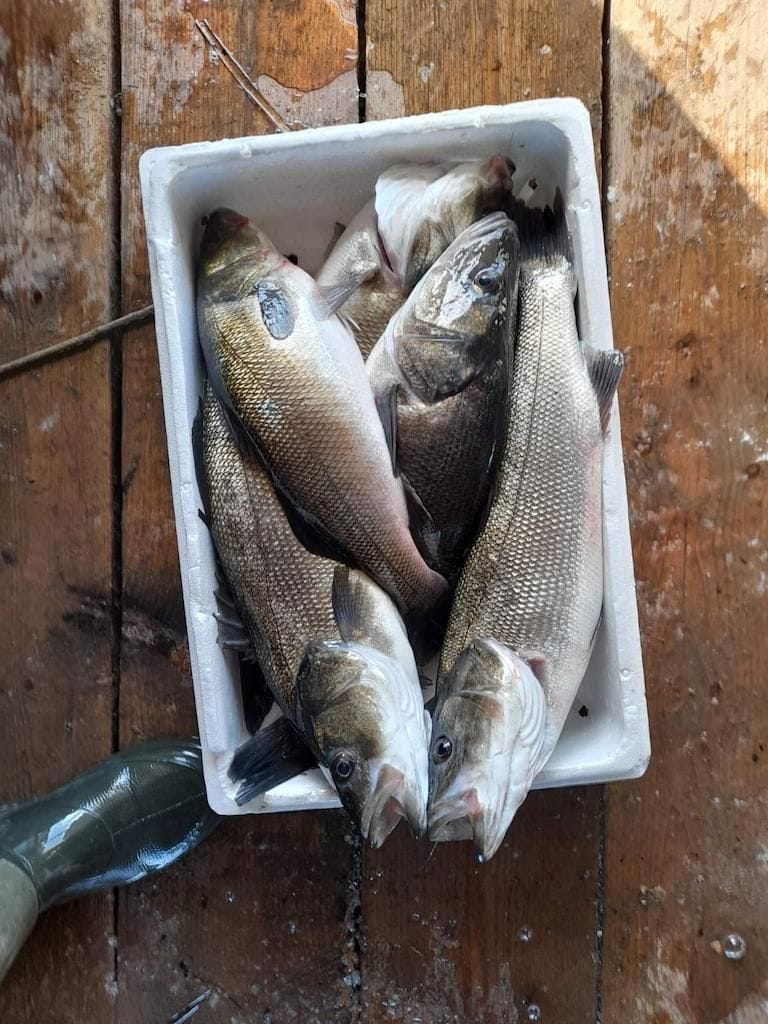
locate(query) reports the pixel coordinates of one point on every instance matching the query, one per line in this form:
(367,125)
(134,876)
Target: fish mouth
(453,818)
(501,169)
(391,800)
(456,818)
(223,224)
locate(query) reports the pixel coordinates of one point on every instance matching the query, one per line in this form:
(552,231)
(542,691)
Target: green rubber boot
(133,814)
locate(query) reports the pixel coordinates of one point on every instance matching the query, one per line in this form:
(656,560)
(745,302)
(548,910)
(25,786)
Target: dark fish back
(447,452)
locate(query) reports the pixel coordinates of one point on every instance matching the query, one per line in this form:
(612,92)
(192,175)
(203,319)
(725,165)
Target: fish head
(246,278)
(365,719)
(468,191)
(487,738)
(452,327)
(231,239)
(421,210)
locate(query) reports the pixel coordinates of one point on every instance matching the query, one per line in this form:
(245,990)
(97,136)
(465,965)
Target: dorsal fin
(605,369)
(365,614)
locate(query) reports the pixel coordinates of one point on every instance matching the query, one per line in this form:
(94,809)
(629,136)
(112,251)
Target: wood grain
(270,912)
(56,262)
(446,939)
(453,53)
(686,856)
(175,90)
(257,914)
(442,937)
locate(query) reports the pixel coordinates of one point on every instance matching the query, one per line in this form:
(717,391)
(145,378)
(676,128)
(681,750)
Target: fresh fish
(361,706)
(299,388)
(418,211)
(330,643)
(439,375)
(529,599)
(357,281)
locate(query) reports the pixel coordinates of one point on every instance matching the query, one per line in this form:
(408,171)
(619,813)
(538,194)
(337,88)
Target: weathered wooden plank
(686,854)
(258,915)
(508,52)
(449,940)
(56,262)
(281,870)
(442,937)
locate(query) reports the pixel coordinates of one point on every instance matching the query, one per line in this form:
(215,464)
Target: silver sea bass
(529,599)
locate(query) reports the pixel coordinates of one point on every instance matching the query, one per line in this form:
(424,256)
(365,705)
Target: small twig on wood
(65,348)
(240,75)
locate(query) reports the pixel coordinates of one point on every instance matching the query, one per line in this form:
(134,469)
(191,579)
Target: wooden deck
(625,892)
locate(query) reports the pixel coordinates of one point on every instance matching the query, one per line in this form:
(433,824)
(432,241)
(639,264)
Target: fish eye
(443,749)
(342,766)
(488,279)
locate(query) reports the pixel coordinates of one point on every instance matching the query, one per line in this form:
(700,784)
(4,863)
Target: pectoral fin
(425,534)
(329,298)
(364,613)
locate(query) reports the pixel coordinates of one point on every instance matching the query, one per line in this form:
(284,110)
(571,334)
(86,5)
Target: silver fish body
(298,386)
(356,279)
(331,645)
(418,210)
(533,583)
(282,592)
(439,374)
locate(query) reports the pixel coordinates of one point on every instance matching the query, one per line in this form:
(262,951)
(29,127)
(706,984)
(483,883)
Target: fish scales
(419,209)
(299,387)
(533,580)
(439,374)
(264,563)
(343,673)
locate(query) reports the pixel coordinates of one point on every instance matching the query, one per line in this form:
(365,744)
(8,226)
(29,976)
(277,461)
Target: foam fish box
(296,187)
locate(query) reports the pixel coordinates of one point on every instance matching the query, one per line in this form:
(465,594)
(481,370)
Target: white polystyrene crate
(296,187)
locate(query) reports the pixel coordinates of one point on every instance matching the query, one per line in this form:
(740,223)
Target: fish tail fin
(269,757)
(544,236)
(428,592)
